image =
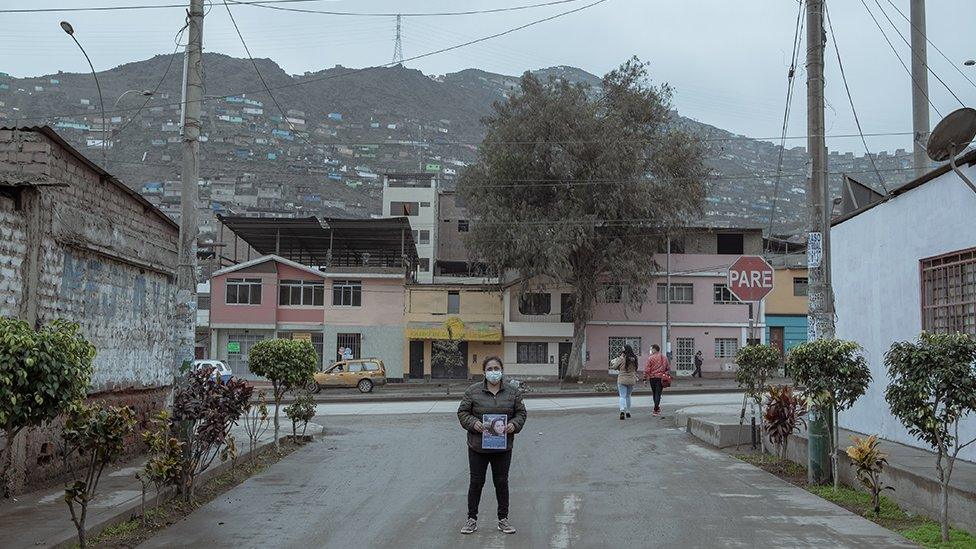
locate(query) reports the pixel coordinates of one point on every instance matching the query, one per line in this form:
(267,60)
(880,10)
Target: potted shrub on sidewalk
(288,364)
(834,374)
(933,387)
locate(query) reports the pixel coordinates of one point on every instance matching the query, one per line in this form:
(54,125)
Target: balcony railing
(551,318)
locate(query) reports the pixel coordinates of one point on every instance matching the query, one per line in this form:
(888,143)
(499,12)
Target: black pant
(697,371)
(657,387)
(500,462)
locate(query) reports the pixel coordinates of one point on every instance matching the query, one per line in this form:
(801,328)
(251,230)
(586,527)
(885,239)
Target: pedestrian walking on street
(494,397)
(698,364)
(627,364)
(658,372)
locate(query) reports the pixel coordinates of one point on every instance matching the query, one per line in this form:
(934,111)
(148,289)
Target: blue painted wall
(794,329)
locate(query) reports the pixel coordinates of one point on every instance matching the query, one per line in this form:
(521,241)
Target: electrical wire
(786,114)
(931,43)
(369,69)
(894,51)
(272,4)
(850,99)
(924,62)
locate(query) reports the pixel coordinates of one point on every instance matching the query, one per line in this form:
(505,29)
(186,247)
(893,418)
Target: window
(723,295)
(949,293)
(404,208)
(349,341)
(617,346)
(726,347)
(371,366)
(566,302)
(243,291)
(203,302)
(425,204)
(610,293)
(680,293)
(463,225)
(424,264)
(536,303)
(347,293)
(421,237)
(453,303)
(532,353)
(685,358)
(731,243)
(800,286)
(301,292)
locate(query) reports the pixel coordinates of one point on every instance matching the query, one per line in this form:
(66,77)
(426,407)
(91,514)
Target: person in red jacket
(656,369)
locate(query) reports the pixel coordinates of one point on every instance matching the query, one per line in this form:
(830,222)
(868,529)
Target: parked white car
(220,369)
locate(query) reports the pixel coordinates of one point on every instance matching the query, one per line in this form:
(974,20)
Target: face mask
(493,376)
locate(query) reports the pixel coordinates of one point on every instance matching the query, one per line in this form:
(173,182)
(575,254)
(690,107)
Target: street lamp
(70,31)
(970,62)
(144,93)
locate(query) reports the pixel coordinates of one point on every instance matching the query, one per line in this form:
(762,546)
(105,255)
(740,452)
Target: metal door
(416,360)
(684,361)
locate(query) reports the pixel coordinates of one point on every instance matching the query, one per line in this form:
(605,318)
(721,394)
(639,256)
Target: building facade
(786,305)
(414,196)
(273,297)
(77,244)
(471,314)
(897,270)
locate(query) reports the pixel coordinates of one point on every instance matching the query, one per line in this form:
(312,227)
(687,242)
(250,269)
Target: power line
(786,113)
(368,69)
(398,44)
(894,51)
(850,99)
(924,61)
(271,4)
(944,56)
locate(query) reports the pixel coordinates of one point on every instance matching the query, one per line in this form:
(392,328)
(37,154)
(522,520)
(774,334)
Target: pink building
(360,308)
(704,315)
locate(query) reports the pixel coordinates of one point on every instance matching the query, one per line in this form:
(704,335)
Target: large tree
(582,185)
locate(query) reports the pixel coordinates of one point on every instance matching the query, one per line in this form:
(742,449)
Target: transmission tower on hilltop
(398,45)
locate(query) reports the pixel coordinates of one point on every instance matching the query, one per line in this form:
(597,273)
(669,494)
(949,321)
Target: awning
(472,331)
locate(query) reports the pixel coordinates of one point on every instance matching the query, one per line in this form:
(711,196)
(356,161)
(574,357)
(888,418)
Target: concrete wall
(382,342)
(875,267)
(89,251)
(429,304)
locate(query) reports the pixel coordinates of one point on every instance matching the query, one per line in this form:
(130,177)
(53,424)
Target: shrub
(933,387)
(98,435)
(165,464)
(256,422)
(42,374)
(288,364)
(754,365)
(834,374)
(869,461)
(204,410)
(783,416)
(300,412)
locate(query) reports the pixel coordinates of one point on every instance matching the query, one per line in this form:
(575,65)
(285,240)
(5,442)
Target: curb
(356,399)
(129,511)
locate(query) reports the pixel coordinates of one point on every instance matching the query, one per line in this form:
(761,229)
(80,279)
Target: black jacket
(478,401)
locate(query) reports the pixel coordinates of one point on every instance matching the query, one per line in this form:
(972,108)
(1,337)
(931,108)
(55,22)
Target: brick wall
(82,248)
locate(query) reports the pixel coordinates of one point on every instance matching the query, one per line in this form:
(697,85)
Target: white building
(901,265)
(414,195)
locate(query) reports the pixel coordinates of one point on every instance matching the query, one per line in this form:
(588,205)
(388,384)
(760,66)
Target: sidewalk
(42,519)
(438,390)
(910,470)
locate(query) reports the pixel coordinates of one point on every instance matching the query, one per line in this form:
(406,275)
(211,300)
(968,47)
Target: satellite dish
(952,134)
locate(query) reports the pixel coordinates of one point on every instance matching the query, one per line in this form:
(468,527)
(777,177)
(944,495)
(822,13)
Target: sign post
(750,279)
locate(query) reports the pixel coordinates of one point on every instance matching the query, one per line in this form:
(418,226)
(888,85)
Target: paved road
(580,478)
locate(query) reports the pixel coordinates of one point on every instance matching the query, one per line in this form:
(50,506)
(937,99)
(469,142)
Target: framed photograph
(494,436)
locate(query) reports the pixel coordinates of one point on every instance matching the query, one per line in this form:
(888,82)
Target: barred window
(726,347)
(949,293)
(532,353)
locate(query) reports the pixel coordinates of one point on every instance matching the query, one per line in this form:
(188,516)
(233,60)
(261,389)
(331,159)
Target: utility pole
(920,87)
(820,320)
(667,303)
(186,272)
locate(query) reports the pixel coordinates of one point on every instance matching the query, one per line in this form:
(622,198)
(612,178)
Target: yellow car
(363,374)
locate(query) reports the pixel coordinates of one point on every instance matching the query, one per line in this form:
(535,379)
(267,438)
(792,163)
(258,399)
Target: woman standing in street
(490,396)
(656,371)
(627,364)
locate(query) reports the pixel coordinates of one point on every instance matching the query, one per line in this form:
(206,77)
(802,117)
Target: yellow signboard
(455,328)
(302,336)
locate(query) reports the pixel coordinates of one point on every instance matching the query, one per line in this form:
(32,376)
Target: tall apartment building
(414,196)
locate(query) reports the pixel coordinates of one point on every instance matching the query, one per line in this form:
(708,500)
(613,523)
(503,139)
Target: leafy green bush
(933,387)
(165,464)
(300,412)
(256,422)
(869,462)
(754,365)
(288,364)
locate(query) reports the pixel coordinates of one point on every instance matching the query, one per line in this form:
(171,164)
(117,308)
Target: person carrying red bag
(658,373)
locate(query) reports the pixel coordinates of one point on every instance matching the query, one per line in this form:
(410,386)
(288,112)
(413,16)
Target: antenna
(398,44)
(951,136)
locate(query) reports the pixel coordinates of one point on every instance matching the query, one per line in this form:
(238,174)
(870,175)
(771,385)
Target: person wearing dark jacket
(490,396)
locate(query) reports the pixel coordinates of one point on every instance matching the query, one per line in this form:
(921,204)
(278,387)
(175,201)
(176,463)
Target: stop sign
(750,278)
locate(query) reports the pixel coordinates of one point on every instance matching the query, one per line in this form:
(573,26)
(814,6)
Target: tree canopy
(581,185)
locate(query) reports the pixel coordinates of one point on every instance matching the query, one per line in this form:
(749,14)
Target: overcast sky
(726,59)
